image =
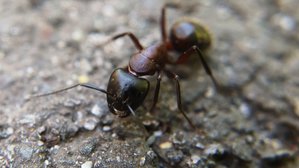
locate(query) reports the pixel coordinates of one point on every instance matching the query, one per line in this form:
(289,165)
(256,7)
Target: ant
(127,88)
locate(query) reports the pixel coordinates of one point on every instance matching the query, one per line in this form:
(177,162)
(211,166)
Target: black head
(125,89)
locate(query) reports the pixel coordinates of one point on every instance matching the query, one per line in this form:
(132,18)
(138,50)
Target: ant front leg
(157,89)
(132,37)
(175,77)
(208,70)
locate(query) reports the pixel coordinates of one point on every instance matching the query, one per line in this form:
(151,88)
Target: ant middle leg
(208,70)
(132,37)
(175,77)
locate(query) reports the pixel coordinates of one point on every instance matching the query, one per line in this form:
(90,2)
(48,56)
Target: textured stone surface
(252,121)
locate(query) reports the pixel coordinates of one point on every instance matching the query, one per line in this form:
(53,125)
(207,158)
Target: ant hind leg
(163,20)
(175,77)
(208,70)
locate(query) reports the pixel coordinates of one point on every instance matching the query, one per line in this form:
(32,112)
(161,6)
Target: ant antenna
(86,85)
(138,121)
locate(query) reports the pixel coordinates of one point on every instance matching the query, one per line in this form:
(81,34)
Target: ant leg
(132,37)
(208,70)
(157,89)
(87,85)
(163,20)
(175,77)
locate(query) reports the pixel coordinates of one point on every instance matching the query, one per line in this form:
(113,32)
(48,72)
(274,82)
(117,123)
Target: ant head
(186,33)
(125,90)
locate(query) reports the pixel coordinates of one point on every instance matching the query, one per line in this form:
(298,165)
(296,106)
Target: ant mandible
(127,89)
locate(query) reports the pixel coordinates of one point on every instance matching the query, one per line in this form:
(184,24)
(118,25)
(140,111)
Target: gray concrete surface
(251,122)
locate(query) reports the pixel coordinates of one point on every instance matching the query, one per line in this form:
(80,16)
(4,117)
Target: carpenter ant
(127,89)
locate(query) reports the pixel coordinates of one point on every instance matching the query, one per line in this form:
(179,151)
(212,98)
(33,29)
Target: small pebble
(41,129)
(79,118)
(214,149)
(87,148)
(199,145)
(142,161)
(285,22)
(28,119)
(106,128)
(151,123)
(210,92)
(277,156)
(46,163)
(151,140)
(178,138)
(71,103)
(158,133)
(117,158)
(165,145)
(26,152)
(195,159)
(40,143)
(71,130)
(87,164)
(245,110)
(83,79)
(98,111)
(5,132)
(77,35)
(90,123)
(95,110)
(175,156)
(151,154)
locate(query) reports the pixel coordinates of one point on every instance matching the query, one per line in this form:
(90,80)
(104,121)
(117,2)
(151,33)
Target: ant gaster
(127,89)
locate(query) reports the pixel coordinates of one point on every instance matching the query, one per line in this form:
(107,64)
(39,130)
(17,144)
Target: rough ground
(253,121)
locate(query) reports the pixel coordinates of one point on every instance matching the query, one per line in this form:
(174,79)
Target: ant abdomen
(189,32)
